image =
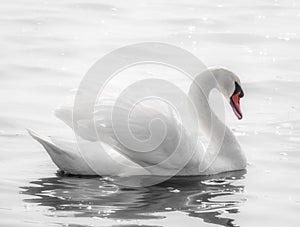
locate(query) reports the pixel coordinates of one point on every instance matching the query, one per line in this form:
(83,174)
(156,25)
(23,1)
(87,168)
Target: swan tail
(66,160)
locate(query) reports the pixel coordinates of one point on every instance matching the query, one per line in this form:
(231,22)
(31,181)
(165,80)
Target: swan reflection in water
(205,197)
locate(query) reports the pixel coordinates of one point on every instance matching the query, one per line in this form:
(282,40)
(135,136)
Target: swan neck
(222,143)
(199,92)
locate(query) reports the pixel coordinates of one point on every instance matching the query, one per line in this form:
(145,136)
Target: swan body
(113,158)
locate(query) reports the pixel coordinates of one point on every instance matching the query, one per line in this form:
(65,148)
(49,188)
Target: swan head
(230,87)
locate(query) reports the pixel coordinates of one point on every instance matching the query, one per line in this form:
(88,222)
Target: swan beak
(235,104)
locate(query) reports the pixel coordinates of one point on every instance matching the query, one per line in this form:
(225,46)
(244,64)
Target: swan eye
(238,89)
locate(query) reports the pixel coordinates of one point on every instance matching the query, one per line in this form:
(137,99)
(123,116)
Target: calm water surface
(46,48)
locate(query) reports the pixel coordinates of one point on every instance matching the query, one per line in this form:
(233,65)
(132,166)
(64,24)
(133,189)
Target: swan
(117,160)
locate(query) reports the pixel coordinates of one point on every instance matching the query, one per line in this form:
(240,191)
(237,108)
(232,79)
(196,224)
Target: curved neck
(222,142)
(199,93)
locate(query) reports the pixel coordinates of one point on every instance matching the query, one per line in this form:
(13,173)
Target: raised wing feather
(148,133)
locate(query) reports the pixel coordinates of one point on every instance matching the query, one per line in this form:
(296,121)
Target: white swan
(226,157)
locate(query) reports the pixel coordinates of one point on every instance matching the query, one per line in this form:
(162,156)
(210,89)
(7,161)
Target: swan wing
(133,128)
(150,136)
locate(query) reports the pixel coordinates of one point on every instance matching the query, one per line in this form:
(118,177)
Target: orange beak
(235,104)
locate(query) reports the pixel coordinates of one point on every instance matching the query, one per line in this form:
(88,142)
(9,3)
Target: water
(47,46)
